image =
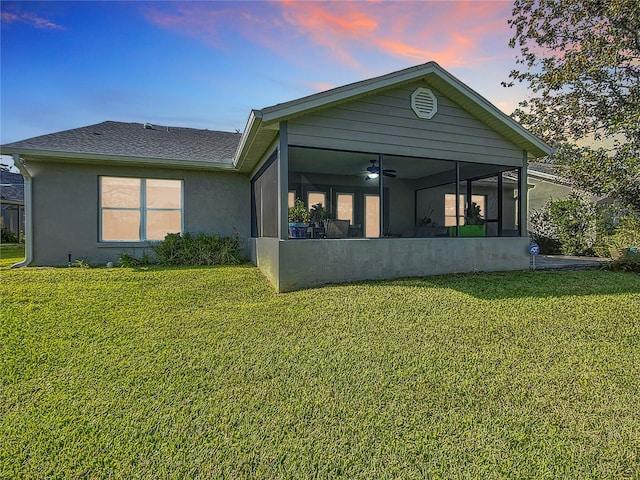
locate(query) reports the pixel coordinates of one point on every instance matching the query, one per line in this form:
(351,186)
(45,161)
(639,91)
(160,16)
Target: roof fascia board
(119,159)
(546,176)
(248,137)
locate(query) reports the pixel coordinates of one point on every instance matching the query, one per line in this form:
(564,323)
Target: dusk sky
(207,64)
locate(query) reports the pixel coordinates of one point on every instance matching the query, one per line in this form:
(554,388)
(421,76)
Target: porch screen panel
(509,213)
(266,201)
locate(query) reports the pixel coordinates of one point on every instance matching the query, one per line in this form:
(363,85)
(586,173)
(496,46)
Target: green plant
(130,261)
(473,216)
(617,233)
(299,213)
(567,226)
(627,234)
(7,236)
(628,263)
(82,263)
(199,249)
(319,214)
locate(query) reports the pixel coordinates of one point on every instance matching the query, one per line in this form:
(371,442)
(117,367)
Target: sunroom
(406,187)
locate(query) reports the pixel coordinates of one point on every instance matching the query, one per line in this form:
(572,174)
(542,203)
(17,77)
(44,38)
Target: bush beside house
(578,226)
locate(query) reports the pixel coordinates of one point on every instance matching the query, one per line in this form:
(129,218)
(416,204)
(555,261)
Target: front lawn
(11,253)
(206,373)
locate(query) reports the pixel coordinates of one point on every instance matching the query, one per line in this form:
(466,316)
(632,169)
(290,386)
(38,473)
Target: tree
(581,61)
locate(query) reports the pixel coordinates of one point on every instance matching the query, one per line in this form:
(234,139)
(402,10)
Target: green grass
(10,254)
(206,373)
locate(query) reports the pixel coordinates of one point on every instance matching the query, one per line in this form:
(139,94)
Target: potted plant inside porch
(299,218)
(473,223)
(319,215)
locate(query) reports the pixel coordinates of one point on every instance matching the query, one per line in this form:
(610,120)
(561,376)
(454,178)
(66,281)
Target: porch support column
(381,185)
(457,198)
(500,207)
(523,192)
(283,181)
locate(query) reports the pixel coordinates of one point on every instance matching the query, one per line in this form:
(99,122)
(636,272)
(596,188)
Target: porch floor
(564,262)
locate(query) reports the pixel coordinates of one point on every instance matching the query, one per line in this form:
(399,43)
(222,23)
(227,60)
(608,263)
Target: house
(400,157)
(12,203)
(545,184)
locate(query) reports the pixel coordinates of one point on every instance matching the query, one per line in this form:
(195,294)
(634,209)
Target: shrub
(629,263)
(627,234)
(130,261)
(543,231)
(622,232)
(7,236)
(567,226)
(199,249)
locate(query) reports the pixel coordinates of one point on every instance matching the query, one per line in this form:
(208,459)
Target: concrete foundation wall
(295,264)
(265,253)
(66,209)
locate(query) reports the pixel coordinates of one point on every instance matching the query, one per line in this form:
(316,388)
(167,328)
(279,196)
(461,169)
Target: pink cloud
(30,19)
(448,32)
(351,33)
(193,19)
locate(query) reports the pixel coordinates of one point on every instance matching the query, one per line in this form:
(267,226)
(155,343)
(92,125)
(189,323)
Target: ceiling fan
(373,171)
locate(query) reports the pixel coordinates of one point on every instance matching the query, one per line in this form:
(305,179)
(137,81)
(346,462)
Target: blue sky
(207,64)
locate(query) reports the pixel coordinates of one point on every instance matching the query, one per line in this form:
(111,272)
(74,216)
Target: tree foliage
(567,226)
(581,61)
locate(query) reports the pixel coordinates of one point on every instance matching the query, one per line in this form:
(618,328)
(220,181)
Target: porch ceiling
(330,162)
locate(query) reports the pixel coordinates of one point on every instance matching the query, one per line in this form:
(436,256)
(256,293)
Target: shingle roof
(547,168)
(137,140)
(548,171)
(11,186)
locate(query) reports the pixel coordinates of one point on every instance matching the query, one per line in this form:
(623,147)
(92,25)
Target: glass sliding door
(344,204)
(372,216)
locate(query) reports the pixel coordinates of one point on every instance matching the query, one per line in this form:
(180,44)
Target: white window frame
(142,208)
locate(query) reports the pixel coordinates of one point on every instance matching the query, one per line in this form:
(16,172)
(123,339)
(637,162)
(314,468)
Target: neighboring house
(12,202)
(545,184)
(101,190)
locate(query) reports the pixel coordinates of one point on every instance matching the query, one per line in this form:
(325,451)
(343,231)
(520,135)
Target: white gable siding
(385,123)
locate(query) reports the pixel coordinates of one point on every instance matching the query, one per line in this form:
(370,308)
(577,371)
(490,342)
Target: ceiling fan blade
(390,175)
(389,170)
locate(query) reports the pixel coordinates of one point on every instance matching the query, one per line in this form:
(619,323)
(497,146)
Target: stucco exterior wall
(541,191)
(265,254)
(66,208)
(308,263)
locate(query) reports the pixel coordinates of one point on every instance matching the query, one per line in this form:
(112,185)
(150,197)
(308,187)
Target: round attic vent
(424,103)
